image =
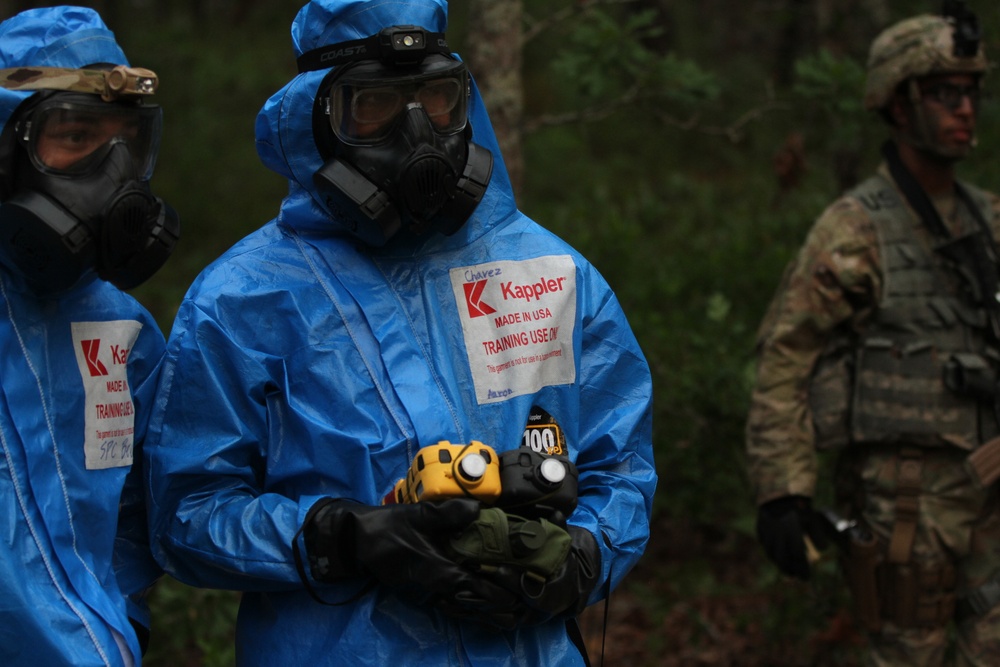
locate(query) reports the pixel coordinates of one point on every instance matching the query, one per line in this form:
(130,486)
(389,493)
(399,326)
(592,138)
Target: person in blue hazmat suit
(80,358)
(399,299)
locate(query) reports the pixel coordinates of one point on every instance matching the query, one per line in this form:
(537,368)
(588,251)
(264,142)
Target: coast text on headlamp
(396,46)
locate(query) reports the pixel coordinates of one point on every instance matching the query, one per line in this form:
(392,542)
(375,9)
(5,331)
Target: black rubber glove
(782,526)
(405,548)
(564,593)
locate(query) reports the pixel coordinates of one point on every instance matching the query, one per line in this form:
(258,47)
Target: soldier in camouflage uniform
(882,345)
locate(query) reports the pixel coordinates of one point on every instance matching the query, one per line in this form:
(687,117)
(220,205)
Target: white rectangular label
(102,350)
(518,320)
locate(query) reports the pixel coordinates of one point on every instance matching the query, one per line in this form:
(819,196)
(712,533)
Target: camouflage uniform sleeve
(995,219)
(831,284)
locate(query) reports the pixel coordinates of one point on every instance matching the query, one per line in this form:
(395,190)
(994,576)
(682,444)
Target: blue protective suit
(77,376)
(302,366)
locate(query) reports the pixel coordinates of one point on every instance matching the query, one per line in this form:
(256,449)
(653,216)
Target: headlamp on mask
(367,100)
(404,45)
(71,134)
(119,81)
(396,46)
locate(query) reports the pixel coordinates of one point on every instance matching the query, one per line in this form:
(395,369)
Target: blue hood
(284,130)
(72,37)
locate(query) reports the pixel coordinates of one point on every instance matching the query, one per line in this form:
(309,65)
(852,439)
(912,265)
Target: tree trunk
(494,57)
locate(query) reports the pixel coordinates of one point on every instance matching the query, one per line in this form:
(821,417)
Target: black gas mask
(81,199)
(393,125)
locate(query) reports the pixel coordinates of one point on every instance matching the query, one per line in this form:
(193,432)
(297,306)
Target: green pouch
(496,538)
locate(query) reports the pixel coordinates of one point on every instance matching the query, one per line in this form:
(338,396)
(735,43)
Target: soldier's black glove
(405,548)
(782,525)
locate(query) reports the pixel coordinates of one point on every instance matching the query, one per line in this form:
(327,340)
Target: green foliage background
(670,187)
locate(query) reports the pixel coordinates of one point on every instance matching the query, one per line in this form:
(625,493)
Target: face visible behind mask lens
(366,103)
(81,199)
(71,134)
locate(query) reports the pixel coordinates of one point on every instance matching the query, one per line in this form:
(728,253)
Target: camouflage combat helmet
(920,46)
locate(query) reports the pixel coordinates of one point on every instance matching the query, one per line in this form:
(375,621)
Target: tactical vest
(905,377)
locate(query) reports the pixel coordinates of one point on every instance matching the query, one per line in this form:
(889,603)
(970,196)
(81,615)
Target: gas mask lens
(364,111)
(71,134)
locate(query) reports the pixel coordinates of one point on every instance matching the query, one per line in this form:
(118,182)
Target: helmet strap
(920,134)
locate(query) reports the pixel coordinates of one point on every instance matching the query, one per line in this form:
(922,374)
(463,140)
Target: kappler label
(102,351)
(518,321)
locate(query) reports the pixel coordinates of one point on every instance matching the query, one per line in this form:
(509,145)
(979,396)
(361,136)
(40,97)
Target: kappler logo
(90,351)
(474,298)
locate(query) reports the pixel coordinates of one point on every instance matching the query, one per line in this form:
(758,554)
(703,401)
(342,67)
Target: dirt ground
(696,599)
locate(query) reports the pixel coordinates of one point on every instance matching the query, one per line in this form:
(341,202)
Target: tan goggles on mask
(120,81)
(364,110)
(70,133)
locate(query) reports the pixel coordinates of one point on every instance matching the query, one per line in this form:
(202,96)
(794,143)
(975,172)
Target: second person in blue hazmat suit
(399,299)
(79,358)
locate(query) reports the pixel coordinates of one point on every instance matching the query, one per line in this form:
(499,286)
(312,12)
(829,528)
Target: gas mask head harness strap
(391,123)
(79,154)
